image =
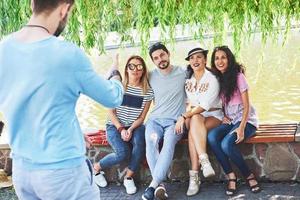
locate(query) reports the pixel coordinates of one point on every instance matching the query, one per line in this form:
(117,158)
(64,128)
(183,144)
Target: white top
(205,92)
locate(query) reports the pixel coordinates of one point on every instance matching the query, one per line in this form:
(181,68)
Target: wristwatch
(115,73)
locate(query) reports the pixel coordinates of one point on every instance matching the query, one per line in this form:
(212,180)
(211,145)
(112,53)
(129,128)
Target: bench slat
(275,133)
(277,125)
(277,128)
(269,139)
(280,124)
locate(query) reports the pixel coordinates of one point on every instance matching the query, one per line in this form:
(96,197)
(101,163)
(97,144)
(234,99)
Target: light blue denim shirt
(40,85)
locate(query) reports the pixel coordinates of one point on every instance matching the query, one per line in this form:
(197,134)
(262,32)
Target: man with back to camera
(46,141)
(167,82)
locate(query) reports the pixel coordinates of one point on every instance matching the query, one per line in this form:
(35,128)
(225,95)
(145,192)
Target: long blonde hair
(144,78)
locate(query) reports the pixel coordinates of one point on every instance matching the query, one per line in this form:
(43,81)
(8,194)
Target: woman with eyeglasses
(203,113)
(125,125)
(240,121)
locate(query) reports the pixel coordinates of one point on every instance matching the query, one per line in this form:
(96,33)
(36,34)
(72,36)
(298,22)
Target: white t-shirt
(205,92)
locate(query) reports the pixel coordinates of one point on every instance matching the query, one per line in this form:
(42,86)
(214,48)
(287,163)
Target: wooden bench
(266,133)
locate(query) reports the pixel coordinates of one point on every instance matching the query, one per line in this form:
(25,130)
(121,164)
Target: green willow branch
(92,20)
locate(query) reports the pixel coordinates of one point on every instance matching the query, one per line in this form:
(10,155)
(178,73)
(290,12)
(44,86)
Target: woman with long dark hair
(240,120)
(125,124)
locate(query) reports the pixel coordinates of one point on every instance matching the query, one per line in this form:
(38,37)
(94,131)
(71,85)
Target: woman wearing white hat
(203,113)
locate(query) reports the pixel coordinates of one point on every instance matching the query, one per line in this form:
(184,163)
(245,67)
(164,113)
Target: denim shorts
(56,184)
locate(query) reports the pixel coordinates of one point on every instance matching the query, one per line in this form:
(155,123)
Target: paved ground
(209,191)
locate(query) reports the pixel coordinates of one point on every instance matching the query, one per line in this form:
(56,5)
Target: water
(272,71)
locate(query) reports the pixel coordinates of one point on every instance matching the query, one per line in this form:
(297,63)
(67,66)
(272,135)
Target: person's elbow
(114,95)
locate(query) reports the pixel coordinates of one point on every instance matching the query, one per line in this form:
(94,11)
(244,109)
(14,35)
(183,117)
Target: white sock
(153,184)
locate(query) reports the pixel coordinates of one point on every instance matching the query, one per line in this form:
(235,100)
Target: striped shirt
(133,105)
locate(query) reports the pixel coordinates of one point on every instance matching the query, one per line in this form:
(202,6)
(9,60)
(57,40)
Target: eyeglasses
(138,67)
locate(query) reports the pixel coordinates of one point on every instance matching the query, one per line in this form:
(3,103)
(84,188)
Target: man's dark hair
(40,6)
(157,46)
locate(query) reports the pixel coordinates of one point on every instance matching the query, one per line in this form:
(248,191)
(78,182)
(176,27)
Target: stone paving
(209,191)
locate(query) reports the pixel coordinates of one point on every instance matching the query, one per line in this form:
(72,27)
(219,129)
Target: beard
(61,26)
(163,64)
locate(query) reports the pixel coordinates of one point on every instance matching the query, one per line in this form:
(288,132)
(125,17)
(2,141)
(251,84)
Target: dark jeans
(224,147)
(122,148)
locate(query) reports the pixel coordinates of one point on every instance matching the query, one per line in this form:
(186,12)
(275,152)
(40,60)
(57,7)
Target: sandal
(230,191)
(253,188)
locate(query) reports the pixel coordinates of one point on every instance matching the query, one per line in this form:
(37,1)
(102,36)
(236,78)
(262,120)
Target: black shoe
(231,191)
(148,194)
(253,188)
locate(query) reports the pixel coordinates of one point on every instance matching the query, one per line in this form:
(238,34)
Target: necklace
(37,26)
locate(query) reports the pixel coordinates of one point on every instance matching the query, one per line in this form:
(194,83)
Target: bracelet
(115,73)
(120,129)
(184,117)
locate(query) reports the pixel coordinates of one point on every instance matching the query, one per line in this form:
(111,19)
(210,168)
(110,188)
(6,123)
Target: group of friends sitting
(205,104)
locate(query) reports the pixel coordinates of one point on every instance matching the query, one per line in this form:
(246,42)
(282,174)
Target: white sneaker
(100,179)
(206,167)
(194,183)
(129,185)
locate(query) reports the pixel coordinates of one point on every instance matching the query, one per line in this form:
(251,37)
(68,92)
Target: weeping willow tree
(92,20)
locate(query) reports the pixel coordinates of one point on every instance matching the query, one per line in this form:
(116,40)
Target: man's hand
(114,67)
(88,142)
(179,126)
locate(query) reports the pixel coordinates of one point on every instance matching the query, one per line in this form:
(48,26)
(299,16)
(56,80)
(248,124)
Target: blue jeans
(122,149)
(224,147)
(60,184)
(159,162)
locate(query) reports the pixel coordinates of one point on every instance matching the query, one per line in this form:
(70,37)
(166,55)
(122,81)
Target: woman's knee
(212,137)
(122,154)
(139,136)
(226,146)
(152,139)
(139,144)
(196,119)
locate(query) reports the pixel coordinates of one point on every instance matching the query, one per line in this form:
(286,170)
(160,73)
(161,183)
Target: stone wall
(5,160)
(270,162)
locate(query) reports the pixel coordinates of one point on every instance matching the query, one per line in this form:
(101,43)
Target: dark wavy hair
(189,69)
(228,79)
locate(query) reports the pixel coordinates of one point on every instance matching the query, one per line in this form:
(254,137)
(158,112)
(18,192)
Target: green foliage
(91,20)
